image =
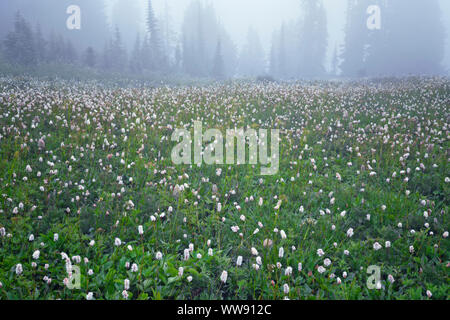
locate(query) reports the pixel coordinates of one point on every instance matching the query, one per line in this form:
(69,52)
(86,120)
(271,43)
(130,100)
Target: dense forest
(203,48)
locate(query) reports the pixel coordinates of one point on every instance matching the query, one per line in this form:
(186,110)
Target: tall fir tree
(282,66)
(200,31)
(70,53)
(273,62)
(334,70)
(19,44)
(135,59)
(252,62)
(313,39)
(126,15)
(356,39)
(178,58)
(158,57)
(90,59)
(41,45)
(218,70)
(118,52)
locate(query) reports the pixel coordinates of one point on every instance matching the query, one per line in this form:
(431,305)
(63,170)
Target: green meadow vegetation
(88,189)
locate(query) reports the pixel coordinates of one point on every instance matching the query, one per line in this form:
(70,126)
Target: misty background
(283,39)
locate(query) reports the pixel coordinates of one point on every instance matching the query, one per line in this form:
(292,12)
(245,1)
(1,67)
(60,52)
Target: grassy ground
(363,181)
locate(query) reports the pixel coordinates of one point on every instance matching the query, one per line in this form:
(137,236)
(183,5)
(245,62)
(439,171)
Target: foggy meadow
(224,150)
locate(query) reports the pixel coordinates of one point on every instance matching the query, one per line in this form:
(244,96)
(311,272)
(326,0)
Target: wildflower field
(357,210)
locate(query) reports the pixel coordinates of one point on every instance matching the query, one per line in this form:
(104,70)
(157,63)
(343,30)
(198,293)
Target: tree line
(411,40)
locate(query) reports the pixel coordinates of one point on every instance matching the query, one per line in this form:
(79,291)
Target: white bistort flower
(288,271)
(350,232)
(377,246)
(19,269)
(391,278)
(36,254)
(224,276)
